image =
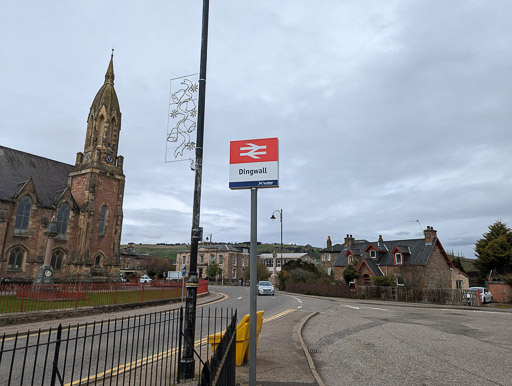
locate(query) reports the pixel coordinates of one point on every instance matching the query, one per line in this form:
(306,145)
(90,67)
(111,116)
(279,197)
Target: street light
(280,211)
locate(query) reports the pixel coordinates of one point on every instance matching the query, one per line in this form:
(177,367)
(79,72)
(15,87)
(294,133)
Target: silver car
(485,294)
(265,288)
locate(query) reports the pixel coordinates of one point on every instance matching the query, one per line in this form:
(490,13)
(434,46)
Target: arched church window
(16,257)
(57,259)
(102,129)
(97,261)
(110,132)
(23,215)
(103,217)
(62,220)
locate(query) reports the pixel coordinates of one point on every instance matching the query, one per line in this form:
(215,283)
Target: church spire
(109,76)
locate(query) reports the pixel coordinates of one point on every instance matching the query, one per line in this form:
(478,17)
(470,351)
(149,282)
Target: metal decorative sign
(254,163)
(181,124)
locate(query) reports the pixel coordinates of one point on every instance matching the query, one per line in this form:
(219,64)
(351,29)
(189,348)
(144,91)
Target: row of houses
(420,263)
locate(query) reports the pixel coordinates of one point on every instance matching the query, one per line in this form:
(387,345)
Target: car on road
(145,279)
(485,294)
(265,288)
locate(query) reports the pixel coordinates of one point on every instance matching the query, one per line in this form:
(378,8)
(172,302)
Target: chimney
(349,240)
(329,242)
(381,241)
(430,234)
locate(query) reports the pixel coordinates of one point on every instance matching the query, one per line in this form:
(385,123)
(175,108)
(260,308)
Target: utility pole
(187,361)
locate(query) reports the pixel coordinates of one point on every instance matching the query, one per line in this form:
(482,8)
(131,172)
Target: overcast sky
(387,112)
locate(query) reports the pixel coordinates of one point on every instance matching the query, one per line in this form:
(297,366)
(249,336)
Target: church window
(57,259)
(102,129)
(16,256)
(97,261)
(103,216)
(62,220)
(23,215)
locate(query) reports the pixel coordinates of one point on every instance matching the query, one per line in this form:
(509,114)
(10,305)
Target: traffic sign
(254,163)
(184,270)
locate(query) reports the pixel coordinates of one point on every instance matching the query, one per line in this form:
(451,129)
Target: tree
(350,273)
(156,266)
(494,250)
(212,270)
(457,263)
(262,272)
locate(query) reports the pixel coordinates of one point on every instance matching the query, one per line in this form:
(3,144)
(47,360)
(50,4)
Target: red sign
(254,150)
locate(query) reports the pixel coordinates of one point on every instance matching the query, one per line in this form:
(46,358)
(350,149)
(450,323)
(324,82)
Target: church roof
(107,94)
(16,168)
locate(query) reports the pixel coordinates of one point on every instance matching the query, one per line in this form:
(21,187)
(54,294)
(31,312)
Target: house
(417,263)
(268,259)
(231,260)
(329,255)
(86,200)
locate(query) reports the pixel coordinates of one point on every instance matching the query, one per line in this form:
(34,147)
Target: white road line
(238,298)
(354,308)
(379,309)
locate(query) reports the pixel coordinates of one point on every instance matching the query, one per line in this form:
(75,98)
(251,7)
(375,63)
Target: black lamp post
(280,211)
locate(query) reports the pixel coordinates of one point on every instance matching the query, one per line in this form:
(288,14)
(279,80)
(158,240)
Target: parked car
(485,294)
(265,288)
(145,279)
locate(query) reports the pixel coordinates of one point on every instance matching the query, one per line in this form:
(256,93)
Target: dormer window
(350,259)
(373,254)
(398,259)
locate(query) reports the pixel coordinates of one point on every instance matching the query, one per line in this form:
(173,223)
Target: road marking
(299,307)
(238,298)
(379,309)
(279,315)
(354,308)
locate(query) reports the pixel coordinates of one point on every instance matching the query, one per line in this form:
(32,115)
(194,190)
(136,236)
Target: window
(220,259)
(278,262)
(97,261)
(458,284)
(16,258)
(212,258)
(400,282)
(328,257)
(102,219)
(183,260)
(235,258)
(234,274)
(62,220)
(350,259)
(23,215)
(373,254)
(329,270)
(201,259)
(57,259)
(398,259)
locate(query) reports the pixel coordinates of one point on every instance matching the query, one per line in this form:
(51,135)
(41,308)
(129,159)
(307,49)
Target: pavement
(283,358)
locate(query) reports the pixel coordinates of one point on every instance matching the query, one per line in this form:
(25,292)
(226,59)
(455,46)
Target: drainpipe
(6,230)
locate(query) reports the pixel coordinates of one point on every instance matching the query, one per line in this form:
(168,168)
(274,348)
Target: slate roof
(16,168)
(334,248)
(216,247)
(420,252)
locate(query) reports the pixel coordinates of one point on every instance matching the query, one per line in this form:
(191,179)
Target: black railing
(141,349)
(220,370)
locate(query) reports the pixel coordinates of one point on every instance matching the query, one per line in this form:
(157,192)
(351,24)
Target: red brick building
(86,199)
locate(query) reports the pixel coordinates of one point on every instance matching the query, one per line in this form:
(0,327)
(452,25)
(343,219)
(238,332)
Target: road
(387,343)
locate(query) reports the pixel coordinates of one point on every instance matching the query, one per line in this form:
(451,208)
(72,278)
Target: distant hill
(169,250)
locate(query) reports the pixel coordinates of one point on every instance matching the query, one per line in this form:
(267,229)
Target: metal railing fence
(28,297)
(141,349)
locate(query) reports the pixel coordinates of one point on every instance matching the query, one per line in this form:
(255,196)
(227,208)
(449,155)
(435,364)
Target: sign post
(254,164)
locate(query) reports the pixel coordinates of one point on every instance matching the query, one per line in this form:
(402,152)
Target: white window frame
(328,257)
(235,260)
(350,259)
(398,255)
(373,253)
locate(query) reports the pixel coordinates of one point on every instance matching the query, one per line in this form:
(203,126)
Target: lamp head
(273,217)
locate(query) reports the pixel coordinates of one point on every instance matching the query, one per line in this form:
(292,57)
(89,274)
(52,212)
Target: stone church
(86,200)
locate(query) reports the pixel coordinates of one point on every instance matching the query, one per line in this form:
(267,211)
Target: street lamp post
(280,211)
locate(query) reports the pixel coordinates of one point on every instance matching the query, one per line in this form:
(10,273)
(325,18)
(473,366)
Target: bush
(384,281)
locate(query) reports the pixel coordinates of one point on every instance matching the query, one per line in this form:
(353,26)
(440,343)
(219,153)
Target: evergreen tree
(494,250)
(350,273)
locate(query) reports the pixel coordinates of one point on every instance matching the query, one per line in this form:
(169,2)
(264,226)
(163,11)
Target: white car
(485,294)
(265,288)
(145,279)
